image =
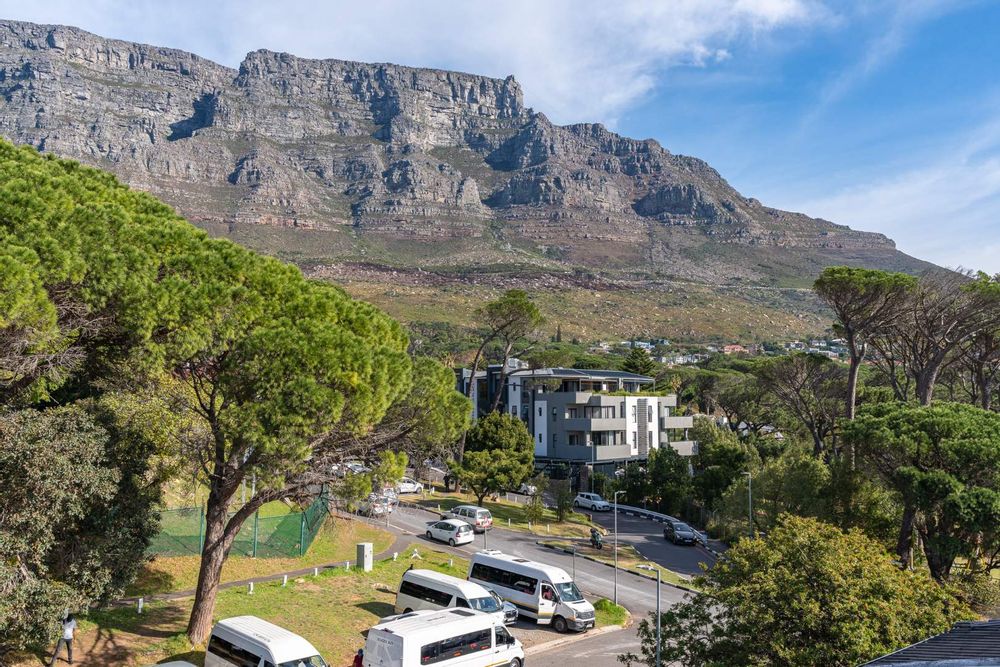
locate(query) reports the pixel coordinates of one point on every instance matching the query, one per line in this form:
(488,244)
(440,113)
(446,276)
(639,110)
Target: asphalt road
(647,537)
(595,581)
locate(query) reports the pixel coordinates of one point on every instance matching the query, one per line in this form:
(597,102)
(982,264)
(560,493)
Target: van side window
(454,647)
(237,655)
(498,577)
(461,602)
(424,593)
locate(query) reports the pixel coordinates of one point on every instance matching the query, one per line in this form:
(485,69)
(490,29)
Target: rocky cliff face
(394,154)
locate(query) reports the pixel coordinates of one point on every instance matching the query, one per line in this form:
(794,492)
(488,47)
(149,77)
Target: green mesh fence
(182,532)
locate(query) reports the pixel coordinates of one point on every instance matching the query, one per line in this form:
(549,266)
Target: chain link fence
(182,532)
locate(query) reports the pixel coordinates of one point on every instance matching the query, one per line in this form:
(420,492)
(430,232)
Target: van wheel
(407,610)
(451,542)
(516,662)
(559,624)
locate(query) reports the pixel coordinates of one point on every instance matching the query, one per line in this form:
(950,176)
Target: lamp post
(658,634)
(753,532)
(616,545)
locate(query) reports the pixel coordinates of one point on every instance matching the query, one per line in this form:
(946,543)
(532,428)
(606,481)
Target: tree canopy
(809,594)
(499,455)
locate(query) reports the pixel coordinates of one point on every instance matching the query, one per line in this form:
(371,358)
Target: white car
(409,485)
(452,531)
(527,489)
(591,501)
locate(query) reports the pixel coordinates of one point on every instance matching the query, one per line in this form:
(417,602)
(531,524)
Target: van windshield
(314,661)
(568,592)
(487,604)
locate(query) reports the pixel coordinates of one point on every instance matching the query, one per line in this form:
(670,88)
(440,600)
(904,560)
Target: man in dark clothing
(359,658)
(68,630)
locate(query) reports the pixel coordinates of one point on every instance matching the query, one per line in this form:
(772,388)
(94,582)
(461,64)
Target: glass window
(539,411)
(455,647)
(314,661)
(568,592)
(487,604)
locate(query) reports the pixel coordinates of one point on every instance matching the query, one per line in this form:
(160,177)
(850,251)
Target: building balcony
(678,422)
(683,447)
(587,425)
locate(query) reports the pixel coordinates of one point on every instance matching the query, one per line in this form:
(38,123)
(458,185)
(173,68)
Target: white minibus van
(449,638)
(543,592)
(427,589)
(248,641)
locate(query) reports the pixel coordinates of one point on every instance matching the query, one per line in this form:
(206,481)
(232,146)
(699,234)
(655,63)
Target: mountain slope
(399,166)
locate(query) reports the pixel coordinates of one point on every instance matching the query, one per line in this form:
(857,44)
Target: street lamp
(753,532)
(616,545)
(649,567)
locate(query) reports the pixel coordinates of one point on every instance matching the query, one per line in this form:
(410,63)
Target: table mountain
(398,166)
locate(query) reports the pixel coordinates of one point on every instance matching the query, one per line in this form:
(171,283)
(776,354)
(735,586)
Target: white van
(427,589)
(543,592)
(450,638)
(248,641)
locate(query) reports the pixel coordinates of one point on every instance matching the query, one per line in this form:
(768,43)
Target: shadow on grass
(121,633)
(151,580)
(378,609)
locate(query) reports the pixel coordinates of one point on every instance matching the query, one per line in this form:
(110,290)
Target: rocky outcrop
(393,152)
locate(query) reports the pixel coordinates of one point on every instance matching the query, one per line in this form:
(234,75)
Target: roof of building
(583,374)
(967,643)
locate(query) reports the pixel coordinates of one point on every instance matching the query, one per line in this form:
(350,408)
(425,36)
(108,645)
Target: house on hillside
(599,419)
(734,348)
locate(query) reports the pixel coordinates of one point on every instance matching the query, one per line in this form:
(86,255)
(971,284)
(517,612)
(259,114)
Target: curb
(600,562)
(563,641)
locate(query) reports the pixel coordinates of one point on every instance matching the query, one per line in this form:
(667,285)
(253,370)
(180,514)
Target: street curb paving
(600,562)
(563,641)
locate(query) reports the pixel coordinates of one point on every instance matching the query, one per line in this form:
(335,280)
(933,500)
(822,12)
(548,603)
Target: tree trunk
(213,556)
(983,386)
(817,443)
(502,380)
(905,541)
(938,564)
(926,379)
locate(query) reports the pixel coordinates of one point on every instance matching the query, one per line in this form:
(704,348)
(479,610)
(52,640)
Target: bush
(562,493)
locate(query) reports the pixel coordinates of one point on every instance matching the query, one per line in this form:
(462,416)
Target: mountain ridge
(399,166)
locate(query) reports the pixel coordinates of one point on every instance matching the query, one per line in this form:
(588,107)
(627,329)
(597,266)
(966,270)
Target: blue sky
(880,114)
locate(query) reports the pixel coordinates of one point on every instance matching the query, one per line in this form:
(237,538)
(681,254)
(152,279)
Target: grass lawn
(609,613)
(628,559)
(335,542)
(331,611)
(576,525)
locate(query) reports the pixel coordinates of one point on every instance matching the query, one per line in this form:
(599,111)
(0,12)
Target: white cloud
(578,60)
(944,210)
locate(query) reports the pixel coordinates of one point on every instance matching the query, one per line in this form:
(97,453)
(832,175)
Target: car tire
(429,536)
(559,624)
(451,541)
(516,662)
(576,503)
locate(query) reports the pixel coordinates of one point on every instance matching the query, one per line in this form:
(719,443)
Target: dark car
(679,532)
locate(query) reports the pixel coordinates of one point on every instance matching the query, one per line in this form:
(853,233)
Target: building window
(513,410)
(635,437)
(553,414)
(539,438)
(649,416)
(633,413)
(622,409)
(573,439)
(539,411)
(572,413)
(553,439)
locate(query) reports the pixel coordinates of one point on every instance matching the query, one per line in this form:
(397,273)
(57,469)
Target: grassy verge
(331,611)
(335,542)
(609,613)
(628,559)
(576,525)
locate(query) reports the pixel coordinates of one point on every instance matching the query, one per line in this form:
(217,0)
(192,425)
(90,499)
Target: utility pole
(658,664)
(616,545)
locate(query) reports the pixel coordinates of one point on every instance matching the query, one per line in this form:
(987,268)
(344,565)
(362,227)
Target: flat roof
(582,374)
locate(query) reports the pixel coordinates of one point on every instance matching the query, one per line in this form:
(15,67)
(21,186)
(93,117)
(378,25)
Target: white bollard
(315,571)
(529,525)
(284,580)
(250,589)
(347,565)
(508,522)
(451,562)
(395,555)
(547,528)
(141,601)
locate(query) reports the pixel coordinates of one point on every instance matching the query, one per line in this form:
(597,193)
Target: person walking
(359,658)
(68,630)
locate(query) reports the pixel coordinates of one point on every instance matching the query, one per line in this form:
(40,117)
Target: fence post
(302,534)
(201,530)
(256,516)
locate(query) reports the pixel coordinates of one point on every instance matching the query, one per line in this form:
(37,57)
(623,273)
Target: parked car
(527,489)
(376,505)
(591,501)
(679,532)
(479,518)
(356,468)
(452,531)
(409,485)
